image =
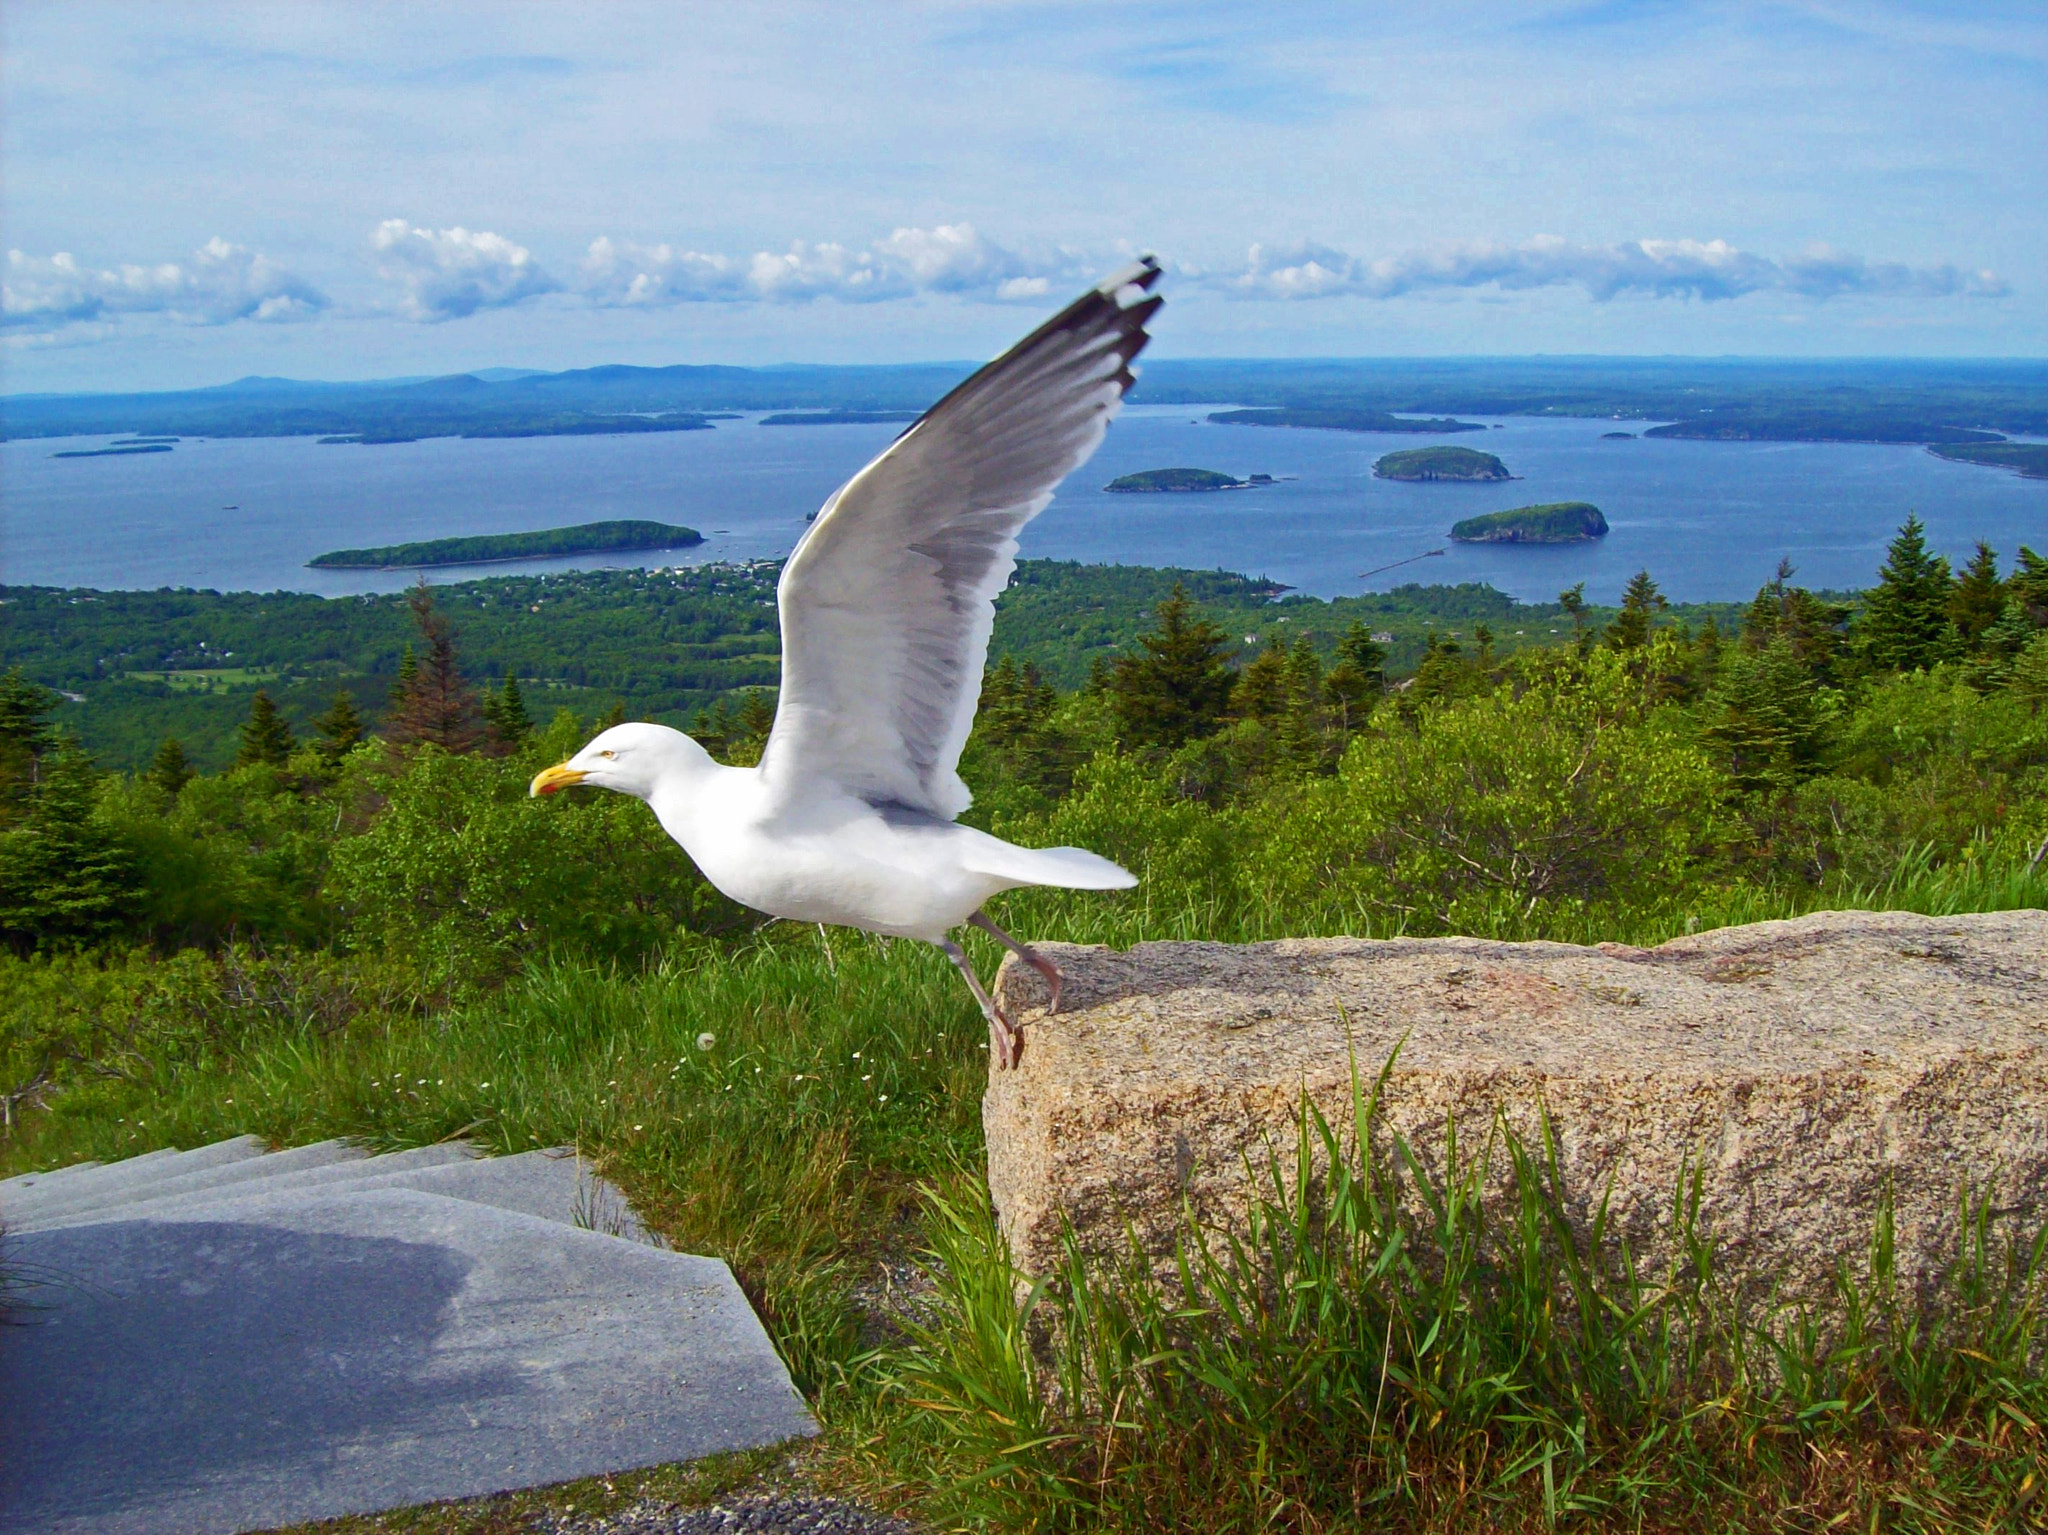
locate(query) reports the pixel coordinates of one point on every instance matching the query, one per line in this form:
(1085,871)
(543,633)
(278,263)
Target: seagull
(887,603)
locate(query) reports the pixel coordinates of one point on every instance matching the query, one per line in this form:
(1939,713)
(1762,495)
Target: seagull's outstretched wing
(888,601)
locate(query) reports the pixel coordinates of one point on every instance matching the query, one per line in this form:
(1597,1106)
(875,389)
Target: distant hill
(1343,420)
(1554,522)
(1181,480)
(2029,458)
(488,549)
(1440,464)
(1820,426)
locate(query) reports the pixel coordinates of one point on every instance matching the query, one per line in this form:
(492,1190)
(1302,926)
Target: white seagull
(886,604)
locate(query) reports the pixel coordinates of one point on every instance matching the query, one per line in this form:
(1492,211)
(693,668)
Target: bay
(1710,520)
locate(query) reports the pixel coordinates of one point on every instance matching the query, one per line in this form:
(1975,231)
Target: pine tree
(1640,604)
(1978,597)
(65,880)
(171,769)
(341,727)
(1178,689)
(265,735)
(24,738)
(1355,683)
(1816,631)
(757,718)
(407,679)
(1573,600)
(1905,625)
(505,713)
(433,705)
(615,715)
(1765,719)
(2029,584)
(1260,692)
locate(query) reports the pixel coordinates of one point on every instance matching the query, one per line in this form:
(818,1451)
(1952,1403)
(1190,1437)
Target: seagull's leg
(1005,1043)
(1025,952)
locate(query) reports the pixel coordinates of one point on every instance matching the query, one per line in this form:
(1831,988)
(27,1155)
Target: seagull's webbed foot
(1005,1041)
(1025,952)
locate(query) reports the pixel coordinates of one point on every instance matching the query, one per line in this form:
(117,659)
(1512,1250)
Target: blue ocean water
(1709,520)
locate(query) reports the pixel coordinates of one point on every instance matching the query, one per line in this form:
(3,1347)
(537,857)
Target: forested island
(119,450)
(1553,522)
(1180,480)
(488,549)
(2029,459)
(1617,436)
(1342,419)
(838,417)
(1440,464)
(534,426)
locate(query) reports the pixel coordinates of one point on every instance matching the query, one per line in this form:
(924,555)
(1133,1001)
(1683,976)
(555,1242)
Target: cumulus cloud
(949,258)
(1701,269)
(447,274)
(217,284)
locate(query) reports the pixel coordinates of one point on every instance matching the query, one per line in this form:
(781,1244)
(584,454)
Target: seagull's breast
(833,859)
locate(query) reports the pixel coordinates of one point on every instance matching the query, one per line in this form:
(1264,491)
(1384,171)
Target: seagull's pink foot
(1005,1039)
(1025,952)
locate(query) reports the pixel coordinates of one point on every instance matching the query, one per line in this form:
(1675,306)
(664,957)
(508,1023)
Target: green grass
(831,1123)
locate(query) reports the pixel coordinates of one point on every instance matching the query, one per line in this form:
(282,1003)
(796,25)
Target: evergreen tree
(1300,732)
(1573,600)
(1905,624)
(65,881)
(341,727)
(171,769)
(1765,719)
(1358,679)
(756,719)
(505,714)
(2029,584)
(1482,636)
(615,715)
(433,704)
(1815,630)
(24,738)
(1178,689)
(1641,602)
(1260,692)
(265,735)
(1978,597)
(407,679)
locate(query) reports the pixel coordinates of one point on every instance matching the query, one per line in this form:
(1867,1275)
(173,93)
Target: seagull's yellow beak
(560,776)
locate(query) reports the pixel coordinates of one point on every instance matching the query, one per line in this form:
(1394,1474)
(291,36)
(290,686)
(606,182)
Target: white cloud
(217,284)
(1702,269)
(450,273)
(948,258)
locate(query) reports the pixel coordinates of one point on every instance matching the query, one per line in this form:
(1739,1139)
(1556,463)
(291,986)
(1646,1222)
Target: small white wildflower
(883,1099)
(706,1040)
(869,1077)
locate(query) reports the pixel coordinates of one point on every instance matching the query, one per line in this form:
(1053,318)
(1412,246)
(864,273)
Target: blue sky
(191,193)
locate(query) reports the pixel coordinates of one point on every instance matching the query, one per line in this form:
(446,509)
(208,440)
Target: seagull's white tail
(1070,868)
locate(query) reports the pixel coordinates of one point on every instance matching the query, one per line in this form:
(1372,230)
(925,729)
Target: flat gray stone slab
(234,1368)
(280,1175)
(93,1194)
(133,1174)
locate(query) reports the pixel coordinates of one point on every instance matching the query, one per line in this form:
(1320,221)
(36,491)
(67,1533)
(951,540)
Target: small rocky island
(1156,480)
(492,548)
(1617,436)
(1554,522)
(1440,464)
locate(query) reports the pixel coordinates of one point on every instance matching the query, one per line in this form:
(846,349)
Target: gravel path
(764,1514)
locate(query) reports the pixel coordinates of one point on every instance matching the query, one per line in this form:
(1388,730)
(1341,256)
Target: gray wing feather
(888,601)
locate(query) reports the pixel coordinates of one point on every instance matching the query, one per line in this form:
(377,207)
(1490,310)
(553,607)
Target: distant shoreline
(511,548)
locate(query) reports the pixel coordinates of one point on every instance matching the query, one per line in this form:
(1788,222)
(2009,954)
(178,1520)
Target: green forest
(1554,522)
(322,903)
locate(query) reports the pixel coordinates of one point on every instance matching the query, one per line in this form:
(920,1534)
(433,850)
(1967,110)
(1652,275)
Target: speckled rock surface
(1804,1066)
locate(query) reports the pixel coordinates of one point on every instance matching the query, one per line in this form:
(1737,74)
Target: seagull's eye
(608,754)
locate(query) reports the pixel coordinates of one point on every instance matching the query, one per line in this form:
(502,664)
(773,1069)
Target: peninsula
(1554,522)
(494,548)
(1153,480)
(1343,419)
(118,451)
(2029,459)
(837,417)
(1440,464)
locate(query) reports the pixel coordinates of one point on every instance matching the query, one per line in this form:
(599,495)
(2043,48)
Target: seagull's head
(632,759)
